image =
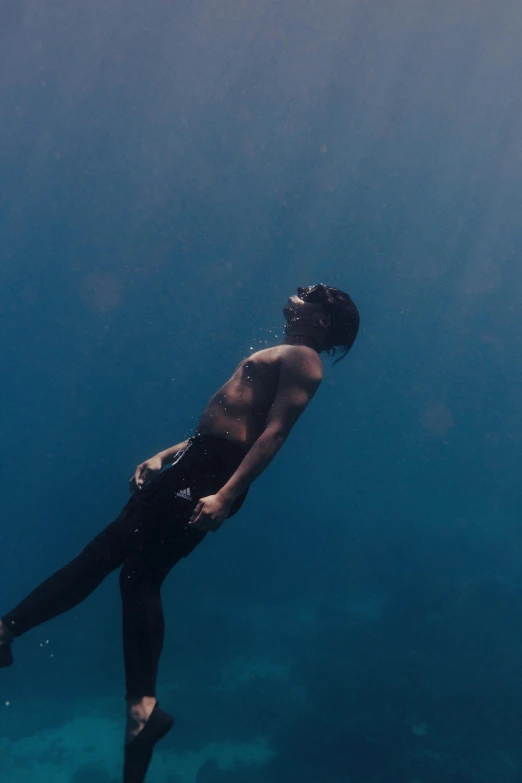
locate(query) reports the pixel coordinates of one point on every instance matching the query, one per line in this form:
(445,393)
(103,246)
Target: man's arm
(299,378)
(145,470)
(298,381)
(168,455)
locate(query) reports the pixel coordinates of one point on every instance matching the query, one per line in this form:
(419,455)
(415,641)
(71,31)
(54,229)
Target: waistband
(218,443)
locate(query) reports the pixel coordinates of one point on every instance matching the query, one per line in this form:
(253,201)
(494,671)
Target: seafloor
(416,686)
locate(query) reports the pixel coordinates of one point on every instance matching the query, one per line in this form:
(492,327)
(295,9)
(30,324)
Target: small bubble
(7,703)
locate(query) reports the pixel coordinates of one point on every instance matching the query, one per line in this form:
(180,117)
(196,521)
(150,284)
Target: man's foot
(138,713)
(6,639)
(140,744)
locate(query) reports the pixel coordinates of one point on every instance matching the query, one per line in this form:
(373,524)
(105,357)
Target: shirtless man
(187,490)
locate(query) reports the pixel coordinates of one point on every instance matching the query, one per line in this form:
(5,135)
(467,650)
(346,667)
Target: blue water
(169,173)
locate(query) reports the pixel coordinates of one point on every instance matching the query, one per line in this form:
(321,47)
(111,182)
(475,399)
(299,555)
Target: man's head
(324,316)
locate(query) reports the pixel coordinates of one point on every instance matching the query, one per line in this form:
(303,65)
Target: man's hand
(144,472)
(210,513)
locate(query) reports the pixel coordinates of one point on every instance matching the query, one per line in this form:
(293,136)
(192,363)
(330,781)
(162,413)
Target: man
(182,493)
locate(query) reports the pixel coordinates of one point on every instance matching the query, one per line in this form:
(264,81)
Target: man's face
(299,308)
(293,307)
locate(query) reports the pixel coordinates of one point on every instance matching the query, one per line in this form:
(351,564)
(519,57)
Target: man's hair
(345,323)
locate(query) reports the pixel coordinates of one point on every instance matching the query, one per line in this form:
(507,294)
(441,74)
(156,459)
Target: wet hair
(345,322)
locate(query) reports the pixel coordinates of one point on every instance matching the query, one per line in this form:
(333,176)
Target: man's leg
(143,629)
(73,583)
(141,579)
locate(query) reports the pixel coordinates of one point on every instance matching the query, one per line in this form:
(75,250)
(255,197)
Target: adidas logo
(184,493)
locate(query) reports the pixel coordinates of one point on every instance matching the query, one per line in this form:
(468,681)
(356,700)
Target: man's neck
(302,339)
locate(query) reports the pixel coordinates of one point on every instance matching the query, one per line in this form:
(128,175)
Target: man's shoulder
(303,360)
(298,359)
(298,352)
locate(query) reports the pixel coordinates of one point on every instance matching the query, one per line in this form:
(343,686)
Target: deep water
(169,173)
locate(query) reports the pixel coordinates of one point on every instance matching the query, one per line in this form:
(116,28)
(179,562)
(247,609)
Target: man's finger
(134,481)
(140,477)
(196,514)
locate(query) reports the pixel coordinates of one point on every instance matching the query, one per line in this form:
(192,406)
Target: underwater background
(169,173)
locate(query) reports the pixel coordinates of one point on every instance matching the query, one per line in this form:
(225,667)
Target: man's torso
(239,409)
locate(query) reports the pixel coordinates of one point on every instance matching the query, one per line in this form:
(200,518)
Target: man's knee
(127,580)
(135,578)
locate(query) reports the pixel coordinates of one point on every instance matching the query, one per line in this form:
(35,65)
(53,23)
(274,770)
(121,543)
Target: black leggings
(147,539)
